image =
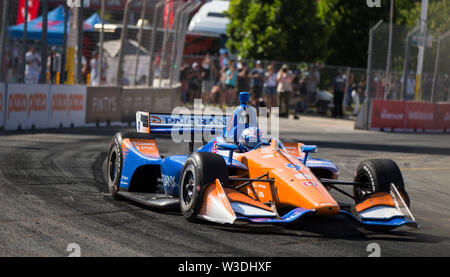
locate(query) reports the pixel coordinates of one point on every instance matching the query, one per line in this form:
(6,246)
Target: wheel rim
(113,166)
(361,191)
(188,187)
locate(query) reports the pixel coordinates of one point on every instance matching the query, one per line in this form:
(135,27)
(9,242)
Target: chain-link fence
(393,69)
(219,78)
(129,42)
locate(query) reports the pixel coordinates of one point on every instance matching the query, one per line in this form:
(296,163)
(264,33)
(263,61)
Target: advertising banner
(419,115)
(67,106)
(442,116)
(27,107)
(387,114)
(103,104)
(149,100)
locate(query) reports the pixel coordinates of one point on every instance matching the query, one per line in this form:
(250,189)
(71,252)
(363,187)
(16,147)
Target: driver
(250,139)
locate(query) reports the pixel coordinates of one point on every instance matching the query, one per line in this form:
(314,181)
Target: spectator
(356,92)
(338,90)
(194,82)
(257,81)
(230,84)
(311,81)
(243,81)
(216,75)
(184,71)
(32,66)
(348,96)
(223,59)
(95,78)
(284,89)
(207,83)
(410,87)
(270,87)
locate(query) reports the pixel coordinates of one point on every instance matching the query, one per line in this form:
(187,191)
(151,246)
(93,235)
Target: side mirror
(308,149)
(227,147)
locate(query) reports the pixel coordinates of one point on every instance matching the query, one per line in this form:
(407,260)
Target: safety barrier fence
(407,116)
(25,107)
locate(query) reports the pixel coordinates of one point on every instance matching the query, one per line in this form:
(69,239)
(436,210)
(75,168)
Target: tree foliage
(438,17)
(285,30)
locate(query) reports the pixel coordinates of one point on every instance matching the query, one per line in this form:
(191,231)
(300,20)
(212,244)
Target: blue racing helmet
(250,139)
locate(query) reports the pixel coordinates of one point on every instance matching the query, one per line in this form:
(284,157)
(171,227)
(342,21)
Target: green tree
(287,30)
(438,17)
(349,24)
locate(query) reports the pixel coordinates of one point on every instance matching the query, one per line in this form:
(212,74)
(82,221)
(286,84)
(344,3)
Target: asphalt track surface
(53,193)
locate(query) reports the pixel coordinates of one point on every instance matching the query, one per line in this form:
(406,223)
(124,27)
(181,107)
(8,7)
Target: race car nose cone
(328,209)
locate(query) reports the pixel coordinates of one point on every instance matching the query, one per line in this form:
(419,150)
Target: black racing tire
(115,160)
(114,165)
(379,174)
(200,170)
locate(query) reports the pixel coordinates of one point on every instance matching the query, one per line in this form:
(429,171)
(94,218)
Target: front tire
(378,174)
(200,170)
(114,165)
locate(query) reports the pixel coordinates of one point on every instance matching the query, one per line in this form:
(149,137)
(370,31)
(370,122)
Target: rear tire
(200,170)
(379,174)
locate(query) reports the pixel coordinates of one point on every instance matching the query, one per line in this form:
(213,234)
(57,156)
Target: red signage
(419,115)
(388,114)
(442,116)
(33,9)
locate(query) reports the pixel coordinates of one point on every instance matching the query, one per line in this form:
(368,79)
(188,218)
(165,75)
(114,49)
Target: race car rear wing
(168,123)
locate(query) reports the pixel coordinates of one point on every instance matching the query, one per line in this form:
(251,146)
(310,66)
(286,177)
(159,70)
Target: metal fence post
(141,31)
(3,39)
(369,69)
(436,65)
(24,40)
(406,62)
(185,17)
(164,50)
(78,74)
(175,46)
(102,40)
(152,43)
(123,38)
(64,55)
(43,77)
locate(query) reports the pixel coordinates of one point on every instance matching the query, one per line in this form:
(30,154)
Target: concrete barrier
(156,100)
(67,106)
(27,107)
(393,115)
(103,104)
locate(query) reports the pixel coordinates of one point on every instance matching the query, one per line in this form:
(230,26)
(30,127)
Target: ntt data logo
(74,3)
(373,3)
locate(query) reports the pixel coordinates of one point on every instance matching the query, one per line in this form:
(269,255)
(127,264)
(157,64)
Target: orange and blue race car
(239,175)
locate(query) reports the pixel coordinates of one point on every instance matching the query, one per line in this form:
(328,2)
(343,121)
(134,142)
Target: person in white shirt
(410,86)
(95,80)
(32,66)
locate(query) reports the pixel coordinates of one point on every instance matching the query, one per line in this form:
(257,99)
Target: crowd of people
(219,80)
(12,65)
